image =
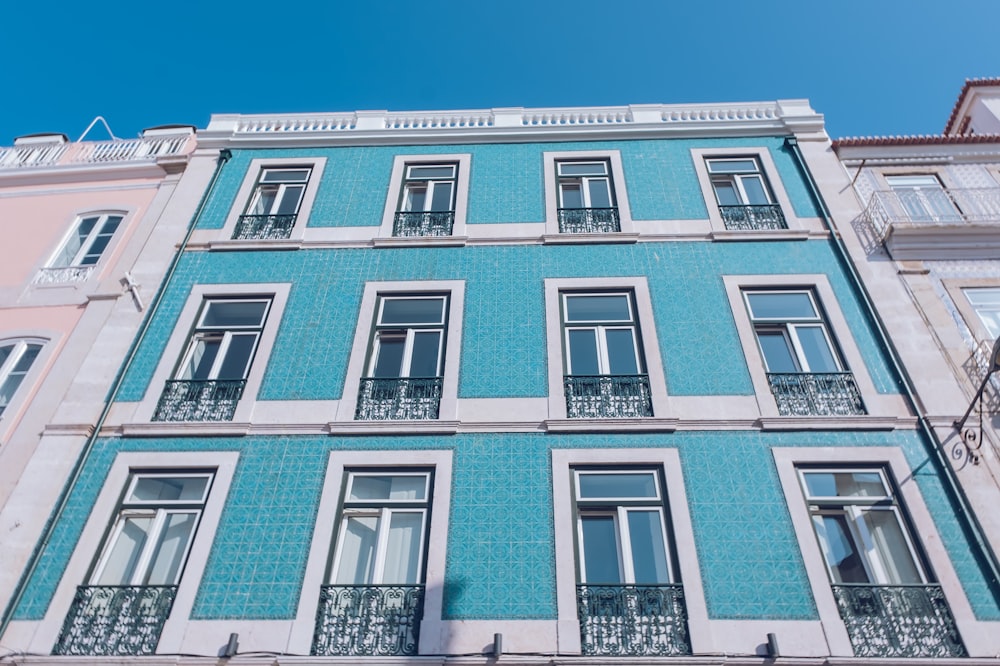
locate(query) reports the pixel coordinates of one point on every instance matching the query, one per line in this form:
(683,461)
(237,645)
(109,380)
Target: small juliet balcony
(936,223)
(264,227)
(368,620)
(589,220)
(115,620)
(898,621)
(199,400)
(63,274)
(416,224)
(816,394)
(632,620)
(607,396)
(399,399)
(753,218)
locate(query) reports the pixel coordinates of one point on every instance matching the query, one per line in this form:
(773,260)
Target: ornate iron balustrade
(632,620)
(115,620)
(816,394)
(607,396)
(199,400)
(589,220)
(370,620)
(750,218)
(416,223)
(264,227)
(898,621)
(928,207)
(60,274)
(399,399)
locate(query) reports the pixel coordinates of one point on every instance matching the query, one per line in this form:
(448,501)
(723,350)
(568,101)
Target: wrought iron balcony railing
(368,620)
(199,400)
(399,399)
(589,220)
(632,620)
(898,621)
(816,394)
(750,218)
(61,274)
(264,227)
(433,223)
(117,620)
(946,206)
(607,396)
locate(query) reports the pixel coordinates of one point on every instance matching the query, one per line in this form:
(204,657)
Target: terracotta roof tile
(969,85)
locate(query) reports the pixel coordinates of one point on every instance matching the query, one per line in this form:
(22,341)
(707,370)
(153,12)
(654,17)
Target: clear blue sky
(871,66)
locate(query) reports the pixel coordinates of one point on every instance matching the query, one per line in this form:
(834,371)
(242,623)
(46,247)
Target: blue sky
(871,66)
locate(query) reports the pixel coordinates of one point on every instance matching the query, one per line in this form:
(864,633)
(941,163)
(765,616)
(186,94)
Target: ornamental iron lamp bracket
(972,436)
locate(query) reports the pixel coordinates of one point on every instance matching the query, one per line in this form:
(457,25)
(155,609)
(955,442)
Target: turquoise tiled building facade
(647,356)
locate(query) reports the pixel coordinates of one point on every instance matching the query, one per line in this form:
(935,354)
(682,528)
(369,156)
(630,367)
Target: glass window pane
(357,552)
(426,350)
(441,200)
(203,353)
(583,168)
(649,552)
(284,175)
(890,548)
(781,305)
(238,354)
(600,194)
(621,351)
(400,488)
(583,352)
(162,489)
(726,193)
(402,553)
(95,251)
(436,171)
(986,303)
(623,485)
(609,307)
(264,202)
(389,356)
(600,550)
(168,557)
(732,166)
(842,556)
(124,554)
(844,484)
(414,198)
(816,349)
(5,351)
(289,204)
(571,196)
(233,314)
(778,354)
(755,191)
(412,311)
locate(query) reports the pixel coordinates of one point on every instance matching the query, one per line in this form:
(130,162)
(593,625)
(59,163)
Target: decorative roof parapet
(53,153)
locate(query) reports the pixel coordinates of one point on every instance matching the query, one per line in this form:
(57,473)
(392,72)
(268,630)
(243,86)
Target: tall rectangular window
(211,374)
(373,602)
(743,194)
(986,302)
(405,360)
(131,589)
(274,204)
(427,200)
(604,365)
(586,197)
(16,359)
(922,198)
(82,249)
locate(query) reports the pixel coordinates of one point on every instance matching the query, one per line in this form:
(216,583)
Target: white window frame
(20,346)
(616,182)
(432,640)
(359,362)
(409,331)
(248,192)
(52,273)
(397,182)
(930,214)
(105,511)
(889,406)
(600,329)
(789,328)
(957,289)
(645,325)
(27,389)
(738,178)
(177,346)
(771,177)
(563,463)
(980,638)
(201,331)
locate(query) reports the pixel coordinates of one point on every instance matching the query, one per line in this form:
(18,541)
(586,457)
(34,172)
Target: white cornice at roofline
(782,117)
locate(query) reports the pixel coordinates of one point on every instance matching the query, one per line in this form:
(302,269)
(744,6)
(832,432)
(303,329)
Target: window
(630,600)
(133,584)
(210,378)
(742,192)
(15,362)
(605,373)
(804,370)
(427,200)
(373,602)
(404,370)
(886,599)
(82,249)
(274,204)
(986,303)
(586,197)
(922,198)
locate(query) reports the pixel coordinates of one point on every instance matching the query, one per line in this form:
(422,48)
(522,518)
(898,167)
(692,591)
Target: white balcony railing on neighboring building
(144,149)
(940,207)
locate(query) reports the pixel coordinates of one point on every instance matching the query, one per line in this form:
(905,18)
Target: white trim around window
(249,184)
(394,194)
(178,342)
(104,512)
(57,270)
(889,406)
(327,518)
(614,160)
(448,410)
(27,387)
(981,638)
